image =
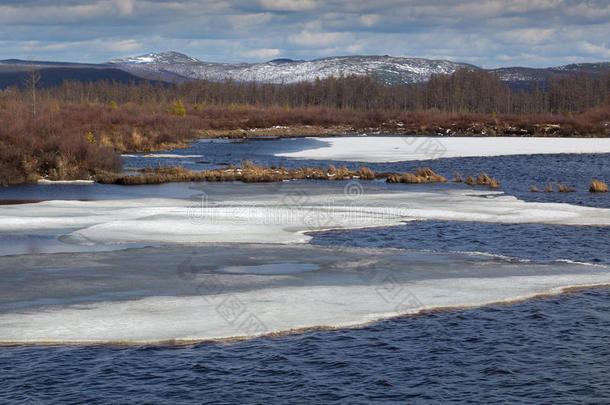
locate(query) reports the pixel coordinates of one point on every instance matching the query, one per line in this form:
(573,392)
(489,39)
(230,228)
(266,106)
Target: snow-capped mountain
(177,67)
(168,58)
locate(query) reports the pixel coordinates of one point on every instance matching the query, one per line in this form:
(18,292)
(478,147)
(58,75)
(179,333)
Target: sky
(494,33)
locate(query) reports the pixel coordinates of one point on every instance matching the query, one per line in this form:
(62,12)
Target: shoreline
(390,129)
(473,129)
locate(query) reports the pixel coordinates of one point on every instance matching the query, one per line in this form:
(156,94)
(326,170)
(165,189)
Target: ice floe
(395,149)
(283,217)
(160,155)
(47,181)
(182,293)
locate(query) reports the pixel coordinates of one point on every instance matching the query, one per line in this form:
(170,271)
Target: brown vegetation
(562,188)
(598,186)
(462,93)
(250,173)
(77,130)
(470,181)
(534,189)
(482,180)
(419,175)
(457,178)
(246,172)
(366,174)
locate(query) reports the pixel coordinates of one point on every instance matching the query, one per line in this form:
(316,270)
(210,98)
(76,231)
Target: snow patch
(397,149)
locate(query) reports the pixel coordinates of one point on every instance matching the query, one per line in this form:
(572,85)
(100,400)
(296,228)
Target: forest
(461,92)
(78,130)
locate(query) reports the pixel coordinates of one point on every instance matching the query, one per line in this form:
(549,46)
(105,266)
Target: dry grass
(482,180)
(562,188)
(56,144)
(366,174)
(534,189)
(419,175)
(470,181)
(549,188)
(598,186)
(245,172)
(457,178)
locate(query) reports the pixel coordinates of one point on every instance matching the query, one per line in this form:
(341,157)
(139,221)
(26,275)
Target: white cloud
(125,7)
(355,48)
(488,33)
(289,5)
(600,51)
(118,46)
(263,54)
(317,39)
(239,21)
(369,20)
(528,35)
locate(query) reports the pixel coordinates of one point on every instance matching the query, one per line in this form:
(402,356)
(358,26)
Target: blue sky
(487,33)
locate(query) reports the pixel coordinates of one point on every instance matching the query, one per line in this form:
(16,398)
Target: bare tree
(30,82)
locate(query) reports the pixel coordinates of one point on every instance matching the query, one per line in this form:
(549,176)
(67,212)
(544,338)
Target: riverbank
(75,141)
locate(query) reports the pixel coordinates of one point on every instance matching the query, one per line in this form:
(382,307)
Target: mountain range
(173,66)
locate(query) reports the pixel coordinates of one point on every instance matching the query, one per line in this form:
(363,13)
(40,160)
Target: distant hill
(523,76)
(53,74)
(389,69)
(177,67)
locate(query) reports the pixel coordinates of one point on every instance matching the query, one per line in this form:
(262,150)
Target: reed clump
(562,188)
(393,178)
(598,186)
(246,172)
(470,181)
(419,175)
(533,189)
(429,176)
(364,173)
(340,174)
(457,178)
(482,180)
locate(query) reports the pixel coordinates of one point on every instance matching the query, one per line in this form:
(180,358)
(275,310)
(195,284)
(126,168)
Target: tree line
(461,92)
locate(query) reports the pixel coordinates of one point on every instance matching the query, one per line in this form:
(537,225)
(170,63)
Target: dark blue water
(535,242)
(515,173)
(545,350)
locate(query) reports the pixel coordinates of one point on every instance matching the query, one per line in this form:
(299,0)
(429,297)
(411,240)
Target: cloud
(369,20)
(263,54)
(488,33)
(317,39)
(592,49)
(289,5)
(529,35)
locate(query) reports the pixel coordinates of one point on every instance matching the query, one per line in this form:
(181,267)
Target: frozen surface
(281,217)
(210,282)
(160,155)
(395,149)
(46,181)
(194,293)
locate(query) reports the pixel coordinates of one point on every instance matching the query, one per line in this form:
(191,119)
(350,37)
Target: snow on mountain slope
(176,67)
(169,57)
(388,69)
